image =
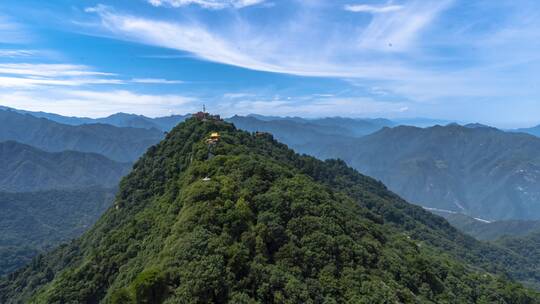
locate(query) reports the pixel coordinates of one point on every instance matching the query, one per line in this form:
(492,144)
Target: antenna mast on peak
(204,108)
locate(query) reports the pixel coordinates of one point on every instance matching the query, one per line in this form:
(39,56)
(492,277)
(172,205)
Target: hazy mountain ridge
(264,228)
(123,120)
(533,131)
(24,168)
(120,144)
(34,222)
(484,172)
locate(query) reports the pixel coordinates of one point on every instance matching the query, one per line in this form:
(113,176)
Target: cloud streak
(207,4)
(156,81)
(372,9)
(6,53)
(43,74)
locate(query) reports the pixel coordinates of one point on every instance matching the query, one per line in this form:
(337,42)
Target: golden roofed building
(214,138)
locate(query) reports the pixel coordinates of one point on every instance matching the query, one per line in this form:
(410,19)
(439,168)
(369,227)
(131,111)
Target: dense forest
(36,222)
(243,219)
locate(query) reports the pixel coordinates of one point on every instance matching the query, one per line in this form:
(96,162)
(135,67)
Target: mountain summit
(216,215)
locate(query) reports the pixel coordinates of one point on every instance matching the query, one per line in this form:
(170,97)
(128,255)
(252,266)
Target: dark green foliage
(527,246)
(120,144)
(36,222)
(24,168)
(269,226)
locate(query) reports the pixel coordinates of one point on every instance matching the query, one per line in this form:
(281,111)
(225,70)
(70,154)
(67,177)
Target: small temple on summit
(205,116)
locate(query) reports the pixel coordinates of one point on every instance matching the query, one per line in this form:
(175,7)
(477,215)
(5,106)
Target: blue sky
(449,59)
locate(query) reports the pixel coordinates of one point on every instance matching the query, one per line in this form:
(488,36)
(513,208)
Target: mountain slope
(24,168)
(483,172)
(266,226)
(120,144)
(34,222)
(527,246)
(492,230)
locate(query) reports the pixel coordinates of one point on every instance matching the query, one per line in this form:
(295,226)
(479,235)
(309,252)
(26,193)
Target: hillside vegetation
(249,221)
(35,222)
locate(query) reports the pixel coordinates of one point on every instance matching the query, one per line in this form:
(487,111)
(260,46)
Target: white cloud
(237,95)
(372,9)
(20,82)
(97,104)
(156,81)
(16,53)
(32,75)
(49,70)
(208,4)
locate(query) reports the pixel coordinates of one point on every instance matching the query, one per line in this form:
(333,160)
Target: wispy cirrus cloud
(45,74)
(156,81)
(10,53)
(49,70)
(208,4)
(12,82)
(372,9)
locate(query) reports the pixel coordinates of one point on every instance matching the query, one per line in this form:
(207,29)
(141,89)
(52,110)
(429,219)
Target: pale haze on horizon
(467,61)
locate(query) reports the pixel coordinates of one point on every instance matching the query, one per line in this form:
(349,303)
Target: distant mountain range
(533,131)
(354,127)
(24,168)
(120,144)
(480,171)
(123,120)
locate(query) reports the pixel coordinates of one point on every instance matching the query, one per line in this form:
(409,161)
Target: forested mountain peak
(216,215)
